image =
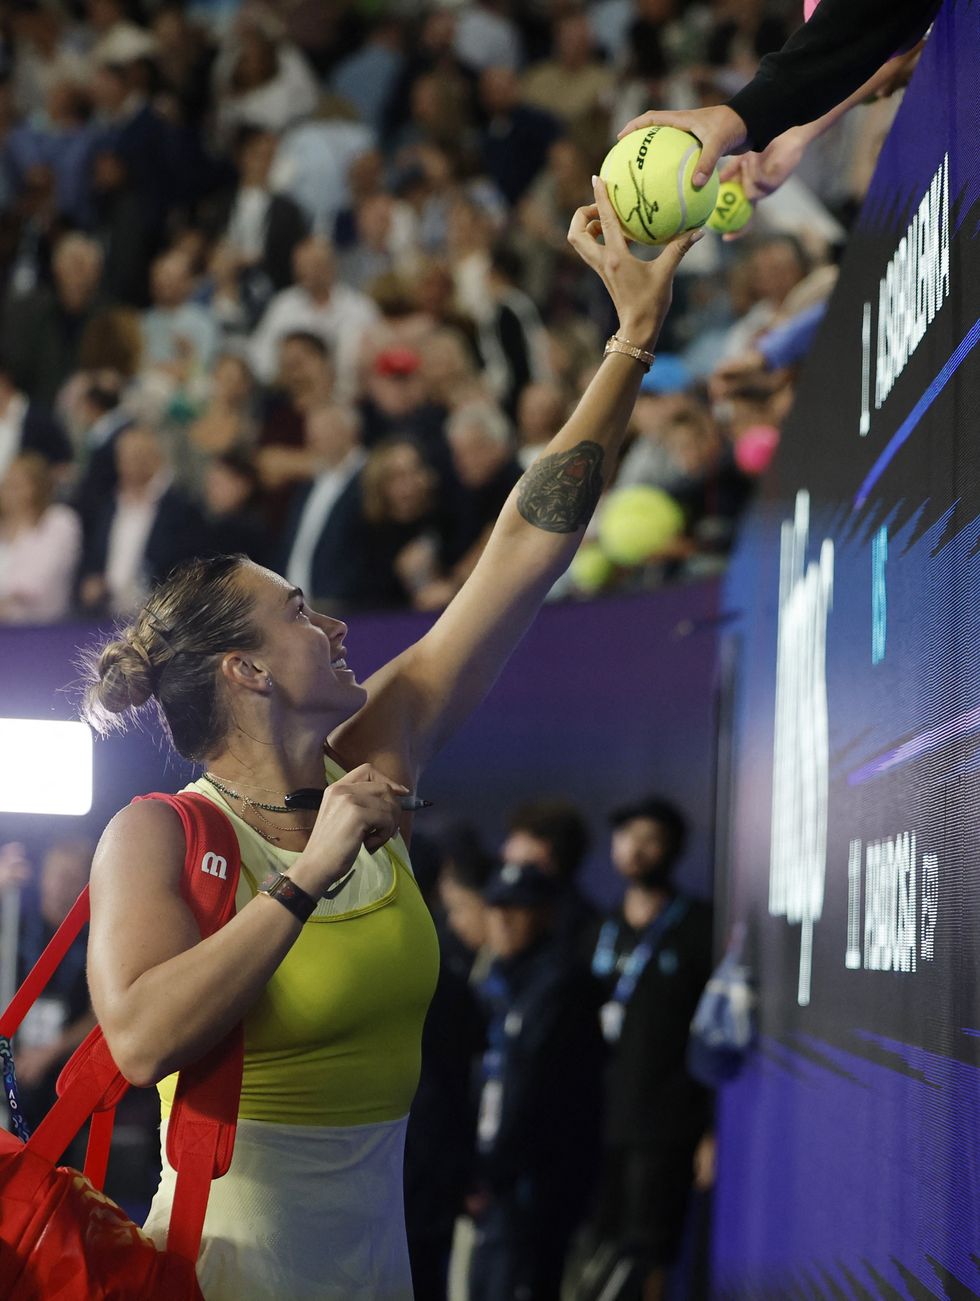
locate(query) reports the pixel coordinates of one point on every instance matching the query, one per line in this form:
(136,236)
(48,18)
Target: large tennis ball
(732,210)
(637,523)
(648,178)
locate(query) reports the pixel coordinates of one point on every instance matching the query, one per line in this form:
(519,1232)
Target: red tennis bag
(61,1238)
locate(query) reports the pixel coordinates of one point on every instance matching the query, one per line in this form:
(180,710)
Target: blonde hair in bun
(121,678)
(171,654)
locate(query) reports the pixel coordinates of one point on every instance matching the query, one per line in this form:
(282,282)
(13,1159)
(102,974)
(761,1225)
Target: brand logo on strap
(215,865)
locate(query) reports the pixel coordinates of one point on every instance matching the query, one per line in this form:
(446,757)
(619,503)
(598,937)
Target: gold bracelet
(616,344)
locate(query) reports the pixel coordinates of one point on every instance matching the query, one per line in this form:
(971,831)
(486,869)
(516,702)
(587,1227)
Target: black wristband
(292,896)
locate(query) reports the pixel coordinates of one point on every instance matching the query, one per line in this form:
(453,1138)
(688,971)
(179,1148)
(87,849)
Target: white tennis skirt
(304,1213)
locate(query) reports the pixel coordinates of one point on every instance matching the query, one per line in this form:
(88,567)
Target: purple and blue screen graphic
(850,1147)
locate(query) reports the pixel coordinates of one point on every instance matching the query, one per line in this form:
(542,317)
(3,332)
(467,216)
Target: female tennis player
(331,957)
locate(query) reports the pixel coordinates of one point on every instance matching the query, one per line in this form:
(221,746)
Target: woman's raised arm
(419,700)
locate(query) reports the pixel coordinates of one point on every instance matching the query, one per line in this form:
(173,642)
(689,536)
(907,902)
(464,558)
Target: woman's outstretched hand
(640,291)
(720,130)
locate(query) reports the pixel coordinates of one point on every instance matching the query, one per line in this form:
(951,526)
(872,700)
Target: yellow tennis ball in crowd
(648,176)
(591,569)
(732,211)
(637,523)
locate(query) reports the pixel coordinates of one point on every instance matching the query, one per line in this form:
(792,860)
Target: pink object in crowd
(755,448)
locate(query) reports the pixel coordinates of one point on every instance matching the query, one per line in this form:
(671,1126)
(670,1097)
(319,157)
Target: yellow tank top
(335,1037)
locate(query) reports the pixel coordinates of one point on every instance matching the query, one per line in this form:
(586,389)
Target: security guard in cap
(653,959)
(540,1099)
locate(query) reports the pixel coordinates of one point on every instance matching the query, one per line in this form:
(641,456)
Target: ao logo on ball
(732,211)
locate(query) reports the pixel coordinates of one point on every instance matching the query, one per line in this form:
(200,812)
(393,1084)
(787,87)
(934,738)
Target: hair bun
(124,678)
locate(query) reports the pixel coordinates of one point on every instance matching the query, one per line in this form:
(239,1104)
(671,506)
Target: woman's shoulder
(145,813)
(146,834)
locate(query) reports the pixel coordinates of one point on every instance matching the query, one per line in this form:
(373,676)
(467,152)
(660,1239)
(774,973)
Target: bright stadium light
(45,766)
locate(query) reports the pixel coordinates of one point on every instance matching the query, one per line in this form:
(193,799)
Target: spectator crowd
(293,280)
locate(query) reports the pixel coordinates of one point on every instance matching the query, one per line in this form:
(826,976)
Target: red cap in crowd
(397,362)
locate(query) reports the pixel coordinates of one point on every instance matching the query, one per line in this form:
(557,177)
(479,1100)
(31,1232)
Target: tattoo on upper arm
(559,492)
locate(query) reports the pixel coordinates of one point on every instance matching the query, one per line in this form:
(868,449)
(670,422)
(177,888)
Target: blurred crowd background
(293,280)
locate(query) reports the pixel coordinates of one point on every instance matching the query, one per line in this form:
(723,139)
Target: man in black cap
(552,835)
(538,1132)
(653,958)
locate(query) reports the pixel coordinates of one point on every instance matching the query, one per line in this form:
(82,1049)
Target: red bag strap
(89,1081)
(99,1144)
(45,967)
(100,1087)
(201,1131)
(211,862)
(202,1126)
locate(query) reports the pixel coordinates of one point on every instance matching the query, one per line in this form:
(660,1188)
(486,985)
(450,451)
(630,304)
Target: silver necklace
(257,806)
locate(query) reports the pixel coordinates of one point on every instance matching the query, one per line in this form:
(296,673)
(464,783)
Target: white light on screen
(45,766)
